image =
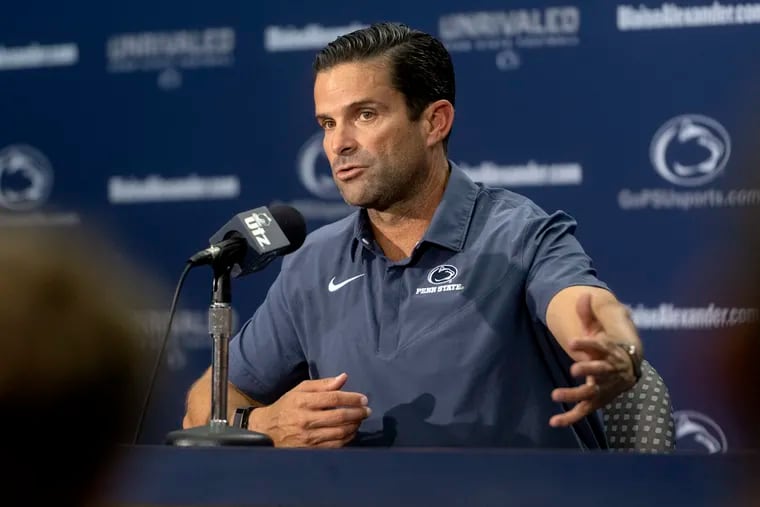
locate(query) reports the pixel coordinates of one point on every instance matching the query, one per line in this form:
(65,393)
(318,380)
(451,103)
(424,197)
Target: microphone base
(208,436)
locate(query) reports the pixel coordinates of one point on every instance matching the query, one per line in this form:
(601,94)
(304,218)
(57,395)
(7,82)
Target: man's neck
(398,229)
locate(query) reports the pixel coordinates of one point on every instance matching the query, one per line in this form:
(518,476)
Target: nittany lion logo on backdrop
(696,431)
(314,169)
(26,178)
(690,150)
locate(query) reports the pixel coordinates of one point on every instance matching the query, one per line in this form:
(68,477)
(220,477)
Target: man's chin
(361,198)
(354,198)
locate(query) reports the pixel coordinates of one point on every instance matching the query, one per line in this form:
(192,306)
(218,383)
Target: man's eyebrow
(364,103)
(353,105)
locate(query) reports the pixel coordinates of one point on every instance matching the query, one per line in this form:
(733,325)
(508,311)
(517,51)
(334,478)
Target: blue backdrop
(155,123)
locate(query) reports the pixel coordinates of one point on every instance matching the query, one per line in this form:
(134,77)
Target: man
(443,312)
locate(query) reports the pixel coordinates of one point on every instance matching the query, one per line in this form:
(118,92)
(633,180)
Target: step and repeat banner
(154,123)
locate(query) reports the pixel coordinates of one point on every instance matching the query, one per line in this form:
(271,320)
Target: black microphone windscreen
(292,224)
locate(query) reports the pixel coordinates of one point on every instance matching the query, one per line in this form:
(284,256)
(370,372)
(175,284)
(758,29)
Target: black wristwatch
(242,414)
(633,355)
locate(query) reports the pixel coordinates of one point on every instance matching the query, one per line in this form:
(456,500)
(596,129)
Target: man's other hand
(606,366)
(315,413)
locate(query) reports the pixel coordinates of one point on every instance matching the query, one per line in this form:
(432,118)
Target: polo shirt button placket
(389,317)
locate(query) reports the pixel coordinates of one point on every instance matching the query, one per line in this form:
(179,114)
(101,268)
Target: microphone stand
(217,432)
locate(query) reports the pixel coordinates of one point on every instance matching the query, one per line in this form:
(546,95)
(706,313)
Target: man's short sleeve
(266,359)
(554,260)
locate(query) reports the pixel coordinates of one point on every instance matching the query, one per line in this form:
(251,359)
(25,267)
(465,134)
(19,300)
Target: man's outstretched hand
(607,367)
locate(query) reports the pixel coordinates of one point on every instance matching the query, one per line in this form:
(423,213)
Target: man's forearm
(198,406)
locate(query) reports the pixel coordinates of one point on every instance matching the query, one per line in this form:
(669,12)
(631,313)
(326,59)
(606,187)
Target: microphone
(250,240)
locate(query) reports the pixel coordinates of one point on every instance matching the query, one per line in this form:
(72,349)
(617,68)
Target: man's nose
(343,141)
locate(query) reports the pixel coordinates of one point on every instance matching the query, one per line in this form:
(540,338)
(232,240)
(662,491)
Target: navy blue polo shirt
(450,345)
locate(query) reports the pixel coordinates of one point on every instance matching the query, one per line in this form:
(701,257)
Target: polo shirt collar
(451,219)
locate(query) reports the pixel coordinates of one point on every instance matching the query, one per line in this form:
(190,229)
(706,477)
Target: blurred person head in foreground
(738,352)
(68,356)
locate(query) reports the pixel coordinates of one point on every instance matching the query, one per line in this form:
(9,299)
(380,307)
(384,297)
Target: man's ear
(438,119)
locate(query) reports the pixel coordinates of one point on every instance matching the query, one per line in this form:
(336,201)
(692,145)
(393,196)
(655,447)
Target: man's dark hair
(420,65)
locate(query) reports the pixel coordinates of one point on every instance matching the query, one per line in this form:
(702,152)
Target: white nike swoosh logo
(332,287)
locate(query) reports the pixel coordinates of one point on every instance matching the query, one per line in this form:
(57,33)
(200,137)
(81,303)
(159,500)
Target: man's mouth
(347,172)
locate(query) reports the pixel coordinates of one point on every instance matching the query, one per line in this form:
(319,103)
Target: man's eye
(328,124)
(367,115)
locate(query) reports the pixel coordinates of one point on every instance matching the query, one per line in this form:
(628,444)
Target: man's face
(376,153)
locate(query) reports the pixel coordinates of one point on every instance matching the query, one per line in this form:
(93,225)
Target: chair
(641,419)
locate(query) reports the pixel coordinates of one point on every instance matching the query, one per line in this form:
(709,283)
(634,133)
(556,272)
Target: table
(165,475)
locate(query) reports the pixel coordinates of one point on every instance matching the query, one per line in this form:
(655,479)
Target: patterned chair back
(641,419)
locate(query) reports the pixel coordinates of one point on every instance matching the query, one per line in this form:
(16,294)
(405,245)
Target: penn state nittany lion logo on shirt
(440,277)
(442,274)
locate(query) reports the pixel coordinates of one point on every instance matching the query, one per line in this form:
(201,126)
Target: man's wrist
(635,355)
(256,419)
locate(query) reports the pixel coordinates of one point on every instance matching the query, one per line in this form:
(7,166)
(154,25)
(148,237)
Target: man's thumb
(336,382)
(324,384)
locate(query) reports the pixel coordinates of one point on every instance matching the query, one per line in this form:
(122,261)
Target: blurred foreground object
(738,354)
(68,364)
